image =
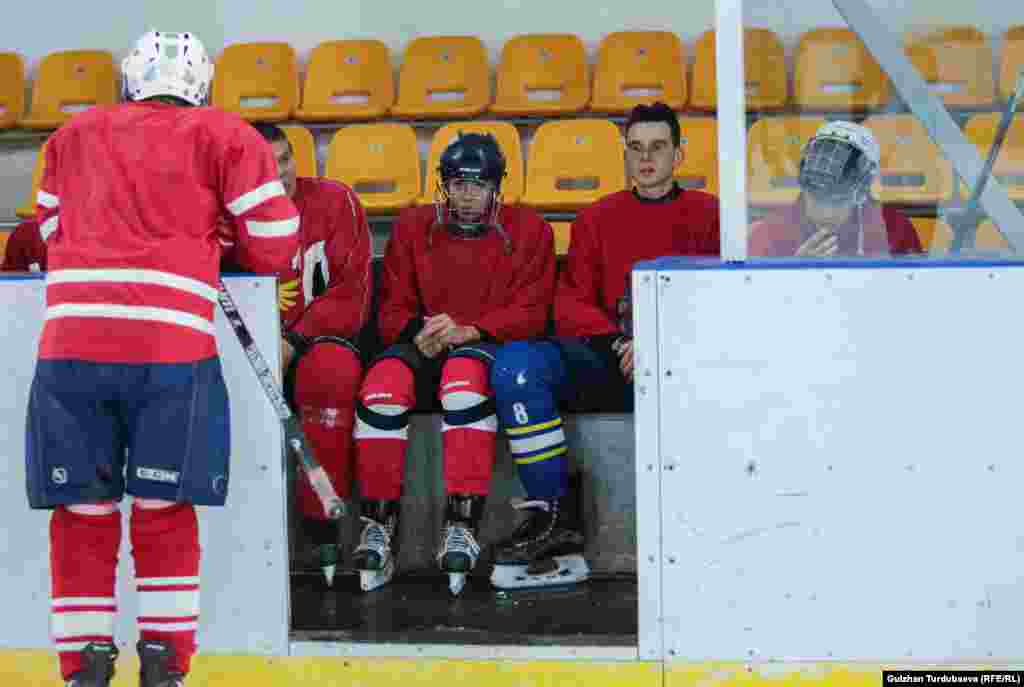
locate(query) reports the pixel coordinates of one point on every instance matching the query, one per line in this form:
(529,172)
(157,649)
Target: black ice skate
(155,657)
(545,550)
(374,558)
(324,534)
(459,550)
(98,660)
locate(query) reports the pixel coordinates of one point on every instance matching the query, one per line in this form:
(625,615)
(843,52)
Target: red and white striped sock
(165,545)
(83,570)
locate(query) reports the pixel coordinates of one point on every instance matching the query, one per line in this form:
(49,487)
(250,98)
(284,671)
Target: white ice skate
(458,555)
(373,557)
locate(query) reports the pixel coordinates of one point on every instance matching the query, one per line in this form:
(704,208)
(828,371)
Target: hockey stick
(965,224)
(294,437)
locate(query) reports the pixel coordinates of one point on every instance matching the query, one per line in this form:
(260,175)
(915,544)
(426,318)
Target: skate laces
(375,535)
(459,538)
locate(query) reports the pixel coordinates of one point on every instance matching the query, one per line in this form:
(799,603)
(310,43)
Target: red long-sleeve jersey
(25,251)
(474,281)
(128,207)
(333,269)
(886,232)
(615,233)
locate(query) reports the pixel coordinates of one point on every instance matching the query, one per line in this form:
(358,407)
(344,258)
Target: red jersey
(333,269)
(506,296)
(128,207)
(885,232)
(615,233)
(25,251)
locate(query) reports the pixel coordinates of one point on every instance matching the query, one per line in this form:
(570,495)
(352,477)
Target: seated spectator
(26,251)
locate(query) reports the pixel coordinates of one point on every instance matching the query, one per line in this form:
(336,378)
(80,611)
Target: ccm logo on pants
(155,475)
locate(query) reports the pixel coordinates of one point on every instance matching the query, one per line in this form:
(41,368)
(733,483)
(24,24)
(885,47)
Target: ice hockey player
(25,250)
(128,395)
(589,366)
(459,279)
(835,214)
(324,305)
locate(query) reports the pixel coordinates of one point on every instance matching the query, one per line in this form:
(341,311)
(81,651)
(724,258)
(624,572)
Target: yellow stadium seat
(639,67)
(508,140)
(1012,61)
(699,168)
(69,82)
(1009,167)
(774,147)
(835,72)
(443,77)
(347,80)
(764,59)
(12,89)
(258,81)
(381,162)
(28,209)
(563,232)
(542,75)
(573,163)
(5,234)
(956,62)
(303,150)
(913,170)
(925,227)
(986,238)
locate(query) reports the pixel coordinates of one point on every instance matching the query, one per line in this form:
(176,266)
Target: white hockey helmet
(174,64)
(840,162)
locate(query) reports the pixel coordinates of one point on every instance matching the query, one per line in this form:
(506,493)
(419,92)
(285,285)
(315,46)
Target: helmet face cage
(472,157)
(835,172)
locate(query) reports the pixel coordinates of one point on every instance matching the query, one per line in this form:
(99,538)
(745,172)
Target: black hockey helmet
(475,157)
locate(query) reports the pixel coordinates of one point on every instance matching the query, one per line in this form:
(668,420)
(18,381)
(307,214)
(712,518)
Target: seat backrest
(925,227)
(639,67)
(68,82)
(1009,166)
(1011,63)
(574,162)
(764,58)
(913,171)
(986,238)
(303,150)
(380,162)
(443,76)
(12,89)
(542,74)
(774,148)
(508,140)
(956,62)
(835,72)
(258,81)
(5,234)
(699,168)
(28,208)
(347,80)
(563,233)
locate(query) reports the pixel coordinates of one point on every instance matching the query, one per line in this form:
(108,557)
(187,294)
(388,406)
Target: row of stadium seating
(573,162)
(542,75)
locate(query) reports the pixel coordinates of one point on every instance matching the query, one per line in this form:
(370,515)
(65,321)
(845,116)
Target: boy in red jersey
(835,215)
(25,250)
(128,395)
(324,305)
(460,278)
(592,356)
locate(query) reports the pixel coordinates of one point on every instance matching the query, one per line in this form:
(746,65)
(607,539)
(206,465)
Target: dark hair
(656,112)
(271,132)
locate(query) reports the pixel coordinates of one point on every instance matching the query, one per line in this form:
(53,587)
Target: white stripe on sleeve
(267,230)
(257,196)
(47,200)
(48,227)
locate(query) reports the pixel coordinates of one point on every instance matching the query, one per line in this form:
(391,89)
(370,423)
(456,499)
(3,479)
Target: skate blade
(328,571)
(374,579)
(456,583)
(570,570)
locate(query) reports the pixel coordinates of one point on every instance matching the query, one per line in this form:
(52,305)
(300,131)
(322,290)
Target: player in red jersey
(460,278)
(590,363)
(324,305)
(25,250)
(835,215)
(128,395)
